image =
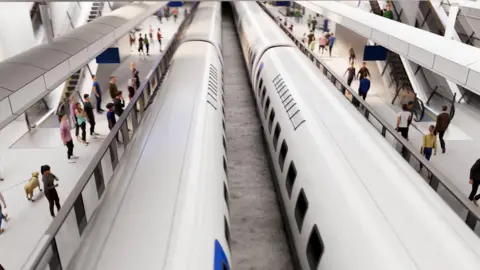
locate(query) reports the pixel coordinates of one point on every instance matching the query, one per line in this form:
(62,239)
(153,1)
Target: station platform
(462,137)
(28,221)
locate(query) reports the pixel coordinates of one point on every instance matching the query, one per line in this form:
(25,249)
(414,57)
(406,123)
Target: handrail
(409,152)
(47,251)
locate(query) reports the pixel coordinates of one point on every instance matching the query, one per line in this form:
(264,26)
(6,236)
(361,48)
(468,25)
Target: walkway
(462,138)
(28,221)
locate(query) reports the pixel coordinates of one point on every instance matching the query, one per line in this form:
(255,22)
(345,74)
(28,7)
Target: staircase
(397,71)
(96,11)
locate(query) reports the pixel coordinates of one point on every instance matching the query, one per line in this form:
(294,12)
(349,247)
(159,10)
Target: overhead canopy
(27,77)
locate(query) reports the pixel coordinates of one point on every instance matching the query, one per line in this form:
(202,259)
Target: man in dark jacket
(49,189)
(112,87)
(475,182)
(443,120)
(87,106)
(119,103)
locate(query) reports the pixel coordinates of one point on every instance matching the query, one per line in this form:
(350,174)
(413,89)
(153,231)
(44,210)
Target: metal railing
(437,181)
(100,169)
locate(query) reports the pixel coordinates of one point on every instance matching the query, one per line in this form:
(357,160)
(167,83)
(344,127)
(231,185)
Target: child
(429,143)
(32,184)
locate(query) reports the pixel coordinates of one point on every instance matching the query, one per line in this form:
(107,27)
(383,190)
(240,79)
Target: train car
(350,201)
(174,213)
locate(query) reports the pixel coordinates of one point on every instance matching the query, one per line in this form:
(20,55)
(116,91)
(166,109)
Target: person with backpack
(49,186)
(159,38)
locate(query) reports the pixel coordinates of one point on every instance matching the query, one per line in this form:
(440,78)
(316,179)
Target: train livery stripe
(220,260)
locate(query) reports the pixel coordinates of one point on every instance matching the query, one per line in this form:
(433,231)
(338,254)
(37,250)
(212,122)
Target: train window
(225,194)
(291,176)
(259,71)
(264,91)
(224,144)
(227,231)
(270,121)
(276,134)
(260,85)
(282,155)
(267,106)
(225,166)
(315,248)
(301,208)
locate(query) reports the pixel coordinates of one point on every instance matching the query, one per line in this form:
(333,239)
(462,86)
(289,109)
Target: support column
(47,23)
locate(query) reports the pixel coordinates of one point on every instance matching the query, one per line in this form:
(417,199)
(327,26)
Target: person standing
(135,76)
(387,12)
(309,21)
(97,91)
(112,87)
(132,40)
(175,14)
(351,73)
(311,46)
(314,24)
(119,103)
(82,122)
(443,120)
(297,15)
(322,42)
(49,186)
(331,42)
(73,107)
(130,88)
(402,121)
(140,44)
(429,144)
(150,32)
(363,72)
(2,215)
(475,182)
(160,15)
(159,38)
(147,44)
(87,106)
(111,118)
(67,138)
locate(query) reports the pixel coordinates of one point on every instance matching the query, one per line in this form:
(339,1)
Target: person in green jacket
(387,12)
(297,15)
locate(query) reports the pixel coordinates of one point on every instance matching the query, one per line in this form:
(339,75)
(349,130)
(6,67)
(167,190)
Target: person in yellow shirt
(429,143)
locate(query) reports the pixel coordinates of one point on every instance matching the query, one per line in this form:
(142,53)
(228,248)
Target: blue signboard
(375,53)
(109,56)
(175,4)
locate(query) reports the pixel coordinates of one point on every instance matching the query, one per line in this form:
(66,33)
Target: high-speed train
(351,202)
(174,213)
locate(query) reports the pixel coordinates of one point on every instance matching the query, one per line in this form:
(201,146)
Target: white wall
(16,30)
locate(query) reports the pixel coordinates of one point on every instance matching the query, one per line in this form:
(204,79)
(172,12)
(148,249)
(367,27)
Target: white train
(181,171)
(350,200)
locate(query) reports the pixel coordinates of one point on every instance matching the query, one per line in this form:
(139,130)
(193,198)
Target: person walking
(82,122)
(322,42)
(363,88)
(150,32)
(119,103)
(160,15)
(297,15)
(147,44)
(331,42)
(67,138)
(311,44)
(314,24)
(97,91)
(132,40)
(402,121)
(175,14)
(135,76)
(351,73)
(48,179)
(309,21)
(130,88)
(73,107)
(112,87)
(88,108)
(159,38)
(363,72)
(140,44)
(443,120)
(475,182)
(111,118)
(429,144)
(351,56)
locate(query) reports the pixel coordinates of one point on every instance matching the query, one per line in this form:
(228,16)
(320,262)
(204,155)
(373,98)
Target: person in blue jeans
(97,91)
(363,88)
(331,42)
(2,216)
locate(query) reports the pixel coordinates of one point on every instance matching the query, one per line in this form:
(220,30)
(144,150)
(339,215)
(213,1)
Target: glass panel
(456,206)
(375,123)
(90,197)
(68,238)
(477,228)
(107,167)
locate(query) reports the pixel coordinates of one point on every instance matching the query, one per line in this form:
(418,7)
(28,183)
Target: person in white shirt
(403,118)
